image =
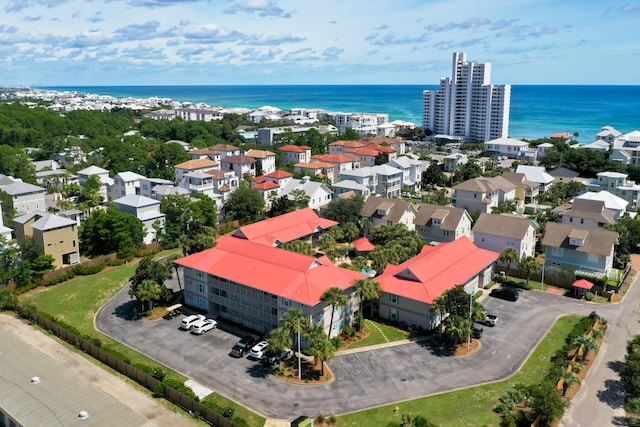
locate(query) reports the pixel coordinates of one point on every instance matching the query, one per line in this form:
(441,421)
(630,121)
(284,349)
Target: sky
(255,42)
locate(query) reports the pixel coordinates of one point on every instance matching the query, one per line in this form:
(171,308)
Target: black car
(243,346)
(509,294)
(477,331)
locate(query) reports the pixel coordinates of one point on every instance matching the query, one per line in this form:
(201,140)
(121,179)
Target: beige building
(56,235)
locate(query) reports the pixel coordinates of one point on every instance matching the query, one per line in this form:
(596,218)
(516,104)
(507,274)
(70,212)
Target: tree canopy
(344,210)
(111,231)
(245,205)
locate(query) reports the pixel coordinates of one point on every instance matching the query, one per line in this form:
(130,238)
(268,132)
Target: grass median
(472,406)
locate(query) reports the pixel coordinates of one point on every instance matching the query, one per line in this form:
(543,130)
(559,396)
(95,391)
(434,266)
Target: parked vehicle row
(198,324)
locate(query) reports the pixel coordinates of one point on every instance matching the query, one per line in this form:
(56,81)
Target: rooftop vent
(35,380)
(83,415)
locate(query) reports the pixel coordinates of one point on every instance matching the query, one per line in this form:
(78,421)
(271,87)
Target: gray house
(442,223)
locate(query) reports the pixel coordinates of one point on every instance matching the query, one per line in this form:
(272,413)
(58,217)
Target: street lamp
(470,317)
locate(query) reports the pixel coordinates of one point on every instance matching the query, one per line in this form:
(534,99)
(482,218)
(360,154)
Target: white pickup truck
(491,320)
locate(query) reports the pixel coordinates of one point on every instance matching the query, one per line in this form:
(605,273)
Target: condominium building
(467,105)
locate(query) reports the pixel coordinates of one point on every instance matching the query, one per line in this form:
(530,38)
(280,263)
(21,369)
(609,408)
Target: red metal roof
(583,283)
(284,228)
(279,174)
(333,158)
(265,186)
(295,148)
(363,245)
(291,275)
(436,269)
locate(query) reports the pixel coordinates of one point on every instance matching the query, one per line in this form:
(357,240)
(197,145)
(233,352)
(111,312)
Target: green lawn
(252,419)
(472,406)
(376,336)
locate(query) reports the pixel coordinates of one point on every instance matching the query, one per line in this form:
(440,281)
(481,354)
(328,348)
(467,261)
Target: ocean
(536,111)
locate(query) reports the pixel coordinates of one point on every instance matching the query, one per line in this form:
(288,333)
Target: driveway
(363,380)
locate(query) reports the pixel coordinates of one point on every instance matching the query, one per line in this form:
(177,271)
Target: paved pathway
(600,400)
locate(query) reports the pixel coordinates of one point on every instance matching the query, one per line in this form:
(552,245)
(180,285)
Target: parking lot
(364,379)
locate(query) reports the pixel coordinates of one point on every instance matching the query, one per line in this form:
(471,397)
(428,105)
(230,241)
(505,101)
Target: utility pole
(299,359)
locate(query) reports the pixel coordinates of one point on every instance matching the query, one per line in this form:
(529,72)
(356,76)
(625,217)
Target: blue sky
(189,42)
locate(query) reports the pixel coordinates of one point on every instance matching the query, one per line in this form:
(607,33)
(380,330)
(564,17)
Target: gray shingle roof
(596,241)
(396,208)
(510,226)
(450,221)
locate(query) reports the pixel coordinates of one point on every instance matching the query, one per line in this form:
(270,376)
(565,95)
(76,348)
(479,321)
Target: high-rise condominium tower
(467,105)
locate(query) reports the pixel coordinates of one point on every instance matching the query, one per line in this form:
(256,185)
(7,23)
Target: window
(200,288)
(556,252)
(74,243)
(581,220)
(393,314)
(593,258)
(395,299)
(570,219)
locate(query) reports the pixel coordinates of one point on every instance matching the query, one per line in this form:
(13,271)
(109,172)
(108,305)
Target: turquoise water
(536,111)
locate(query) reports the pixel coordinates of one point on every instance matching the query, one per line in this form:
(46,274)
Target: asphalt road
(363,380)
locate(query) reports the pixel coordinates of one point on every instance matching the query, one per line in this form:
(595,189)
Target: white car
(202,326)
(188,321)
(259,350)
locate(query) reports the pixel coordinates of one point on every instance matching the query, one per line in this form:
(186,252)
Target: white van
(188,321)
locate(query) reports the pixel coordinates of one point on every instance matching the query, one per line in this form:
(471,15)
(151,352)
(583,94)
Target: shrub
(159,390)
(633,405)
(349,330)
(81,270)
(240,421)
(8,300)
(227,412)
(180,387)
(155,371)
(590,296)
(336,341)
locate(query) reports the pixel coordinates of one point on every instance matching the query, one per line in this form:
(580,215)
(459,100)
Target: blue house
(588,251)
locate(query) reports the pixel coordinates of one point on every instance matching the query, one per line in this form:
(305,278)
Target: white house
(389,180)
(411,171)
(148,184)
(499,232)
(125,184)
(239,165)
(318,193)
(453,160)
(364,176)
(296,153)
(146,210)
(611,201)
(509,147)
(102,174)
(204,164)
(537,174)
(25,197)
(265,160)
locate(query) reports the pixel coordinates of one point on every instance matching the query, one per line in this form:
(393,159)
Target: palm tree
(508,257)
(293,322)
(457,329)
(336,299)
(367,290)
(568,377)
(279,340)
(529,265)
(597,333)
(326,242)
(478,312)
(350,232)
(588,343)
(323,351)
